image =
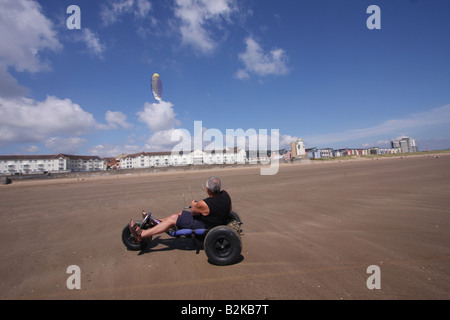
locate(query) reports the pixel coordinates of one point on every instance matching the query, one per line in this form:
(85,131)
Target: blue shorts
(187,221)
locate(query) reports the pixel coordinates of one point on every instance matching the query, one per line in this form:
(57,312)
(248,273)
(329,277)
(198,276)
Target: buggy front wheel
(130,243)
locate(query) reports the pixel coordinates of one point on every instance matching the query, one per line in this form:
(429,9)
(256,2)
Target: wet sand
(310,232)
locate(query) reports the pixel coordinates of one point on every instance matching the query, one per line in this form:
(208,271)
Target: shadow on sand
(181,243)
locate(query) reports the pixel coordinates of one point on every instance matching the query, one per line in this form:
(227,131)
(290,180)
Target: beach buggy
(222,244)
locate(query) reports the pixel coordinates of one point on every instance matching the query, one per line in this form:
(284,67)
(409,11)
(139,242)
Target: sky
(330,72)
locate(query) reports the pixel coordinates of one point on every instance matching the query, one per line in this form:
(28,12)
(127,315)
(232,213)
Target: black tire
(222,245)
(128,240)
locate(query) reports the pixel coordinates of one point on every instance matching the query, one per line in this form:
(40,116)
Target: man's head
(213,185)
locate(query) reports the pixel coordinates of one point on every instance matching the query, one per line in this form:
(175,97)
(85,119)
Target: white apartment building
(300,150)
(146,160)
(405,144)
(29,164)
(196,157)
(227,156)
(85,163)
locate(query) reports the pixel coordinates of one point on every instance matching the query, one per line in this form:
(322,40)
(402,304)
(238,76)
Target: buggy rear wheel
(222,245)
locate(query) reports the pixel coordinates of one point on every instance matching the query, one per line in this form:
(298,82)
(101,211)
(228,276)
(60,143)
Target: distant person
(205,214)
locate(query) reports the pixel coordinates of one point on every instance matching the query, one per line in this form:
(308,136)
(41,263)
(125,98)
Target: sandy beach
(310,232)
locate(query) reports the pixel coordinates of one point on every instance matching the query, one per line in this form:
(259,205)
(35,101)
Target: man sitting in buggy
(205,214)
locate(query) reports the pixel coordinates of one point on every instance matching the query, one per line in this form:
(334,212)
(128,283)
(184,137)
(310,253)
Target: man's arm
(199,207)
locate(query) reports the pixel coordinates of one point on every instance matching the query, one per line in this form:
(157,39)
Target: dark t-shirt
(219,210)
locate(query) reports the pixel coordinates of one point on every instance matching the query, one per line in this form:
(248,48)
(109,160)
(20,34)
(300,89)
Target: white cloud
(161,119)
(111,12)
(27,120)
(197,17)
(256,61)
(158,116)
(242,74)
(285,141)
(9,87)
(33,148)
(93,43)
(70,145)
(143,7)
(249,139)
(24,33)
(29,149)
(57,123)
(433,117)
(161,141)
(110,150)
(115,118)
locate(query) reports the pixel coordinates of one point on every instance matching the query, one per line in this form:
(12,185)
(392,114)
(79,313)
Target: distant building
(20,164)
(326,153)
(405,145)
(298,148)
(317,153)
(314,153)
(255,156)
(377,150)
(357,152)
(84,163)
(111,163)
(195,157)
(29,164)
(288,155)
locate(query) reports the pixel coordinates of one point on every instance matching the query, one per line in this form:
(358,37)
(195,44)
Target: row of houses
(29,164)
(179,158)
(402,145)
(318,153)
(38,164)
(35,164)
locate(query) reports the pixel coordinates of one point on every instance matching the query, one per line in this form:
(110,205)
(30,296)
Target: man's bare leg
(164,226)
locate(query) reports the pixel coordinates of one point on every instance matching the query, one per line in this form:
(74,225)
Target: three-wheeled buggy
(222,244)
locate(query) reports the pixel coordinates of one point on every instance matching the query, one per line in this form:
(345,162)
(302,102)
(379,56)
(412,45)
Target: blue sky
(311,69)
